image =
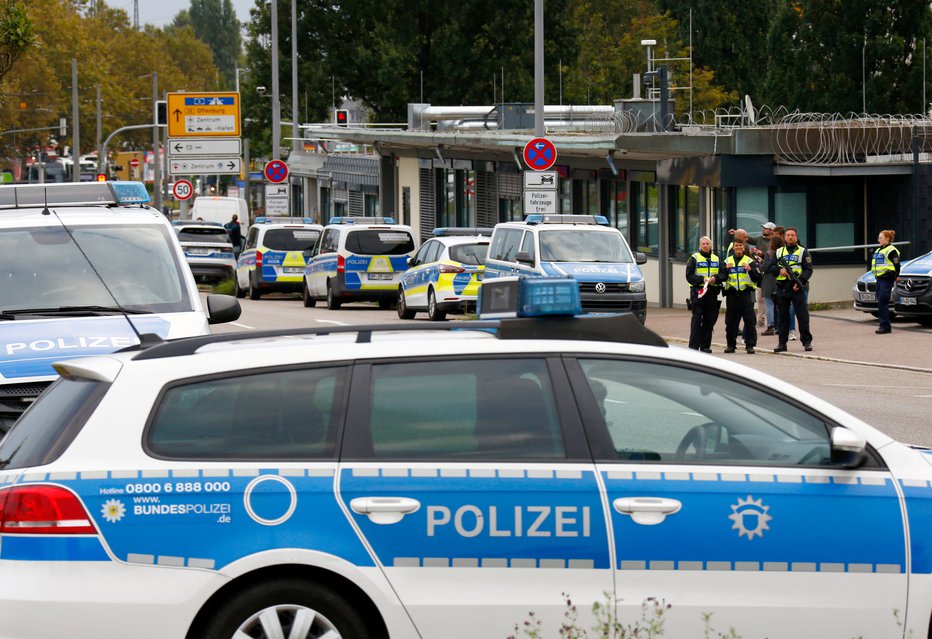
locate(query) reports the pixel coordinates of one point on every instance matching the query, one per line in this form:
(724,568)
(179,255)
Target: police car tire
(331,611)
(332,302)
(238,290)
(434,314)
(404,312)
(253,291)
(309,300)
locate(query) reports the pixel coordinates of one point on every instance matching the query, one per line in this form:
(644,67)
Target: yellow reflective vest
(738,277)
(882,262)
(706,267)
(793,258)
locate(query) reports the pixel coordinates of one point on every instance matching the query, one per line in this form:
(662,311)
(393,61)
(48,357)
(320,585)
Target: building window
(647,216)
(566,196)
(614,204)
(509,210)
(585,197)
(685,219)
(752,208)
(325,203)
(835,207)
(371,205)
(719,234)
(790,210)
(339,208)
(459,203)
(406,205)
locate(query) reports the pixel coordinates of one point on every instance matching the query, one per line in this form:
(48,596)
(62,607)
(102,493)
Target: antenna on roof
(749,111)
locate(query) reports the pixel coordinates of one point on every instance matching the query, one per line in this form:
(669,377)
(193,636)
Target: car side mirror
(524,258)
(849,449)
(412,261)
(640,258)
(222,309)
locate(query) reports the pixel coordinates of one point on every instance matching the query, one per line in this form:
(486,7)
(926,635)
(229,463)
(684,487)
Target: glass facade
(685,219)
(458,205)
(645,198)
(614,204)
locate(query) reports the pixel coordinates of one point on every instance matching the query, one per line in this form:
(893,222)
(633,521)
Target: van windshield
(579,245)
(290,239)
(379,242)
(42,267)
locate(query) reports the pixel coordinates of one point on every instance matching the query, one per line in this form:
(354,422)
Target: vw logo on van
(600,288)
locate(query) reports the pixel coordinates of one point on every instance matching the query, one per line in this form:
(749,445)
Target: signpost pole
(539,68)
(276,106)
(75,126)
(156,158)
(246,185)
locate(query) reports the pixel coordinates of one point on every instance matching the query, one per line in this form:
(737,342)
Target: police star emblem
(113,510)
(750,517)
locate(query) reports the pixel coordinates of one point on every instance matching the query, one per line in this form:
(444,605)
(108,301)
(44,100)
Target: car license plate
(380,276)
(868,297)
(908,301)
(198,251)
(293,269)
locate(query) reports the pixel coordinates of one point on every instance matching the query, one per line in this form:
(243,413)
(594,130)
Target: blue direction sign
(540,154)
(276,171)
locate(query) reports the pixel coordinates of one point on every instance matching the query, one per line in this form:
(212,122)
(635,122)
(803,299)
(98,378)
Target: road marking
(332,322)
(922,395)
(242,325)
(875,386)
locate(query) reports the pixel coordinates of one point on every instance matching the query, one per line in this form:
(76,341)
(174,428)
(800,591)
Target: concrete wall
(409,176)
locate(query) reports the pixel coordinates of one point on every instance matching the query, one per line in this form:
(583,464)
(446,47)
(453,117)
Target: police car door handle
(647,511)
(385,510)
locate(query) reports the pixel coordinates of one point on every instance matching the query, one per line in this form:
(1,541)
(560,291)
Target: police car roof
(80,215)
(67,194)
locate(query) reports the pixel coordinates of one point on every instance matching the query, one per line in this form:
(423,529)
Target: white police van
(87,268)
(583,247)
(442,480)
(274,256)
(358,259)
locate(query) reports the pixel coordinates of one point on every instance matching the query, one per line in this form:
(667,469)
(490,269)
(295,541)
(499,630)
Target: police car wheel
(434,313)
(309,300)
(288,608)
(332,302)
(238,290)
(253,289)
(404,312)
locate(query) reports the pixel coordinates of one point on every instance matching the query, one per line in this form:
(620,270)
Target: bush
(224,287)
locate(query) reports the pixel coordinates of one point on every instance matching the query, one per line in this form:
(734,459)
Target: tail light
(259,260)
(341,264)
(43,510)
(449,268)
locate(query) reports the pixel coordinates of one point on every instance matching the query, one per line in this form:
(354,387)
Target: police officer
(703,272)
(885,265)
(741,275)
(799,261)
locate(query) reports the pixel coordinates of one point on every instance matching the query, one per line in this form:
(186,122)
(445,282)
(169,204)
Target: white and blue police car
(87,268)
(441,480)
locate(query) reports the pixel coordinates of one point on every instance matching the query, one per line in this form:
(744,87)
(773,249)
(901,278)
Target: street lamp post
(276,105)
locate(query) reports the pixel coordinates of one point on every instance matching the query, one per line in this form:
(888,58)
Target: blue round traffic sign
(276,171)
(540,154)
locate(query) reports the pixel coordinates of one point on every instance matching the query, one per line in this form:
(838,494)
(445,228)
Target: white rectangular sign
(204,146)
(210,124)
(542,180)
(276,191)
(276,206)
(540,202)
(206,166)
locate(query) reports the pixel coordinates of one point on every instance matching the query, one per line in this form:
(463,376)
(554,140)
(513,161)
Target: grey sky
(162,12)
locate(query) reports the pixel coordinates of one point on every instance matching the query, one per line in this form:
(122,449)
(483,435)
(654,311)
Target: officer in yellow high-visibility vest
(743,276)
(703,272)
(885,265)
(799,261)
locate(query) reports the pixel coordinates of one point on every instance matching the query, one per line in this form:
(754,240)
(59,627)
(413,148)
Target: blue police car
(442,480)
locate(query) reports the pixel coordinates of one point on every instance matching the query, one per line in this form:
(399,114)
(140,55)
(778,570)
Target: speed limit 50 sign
(182,190)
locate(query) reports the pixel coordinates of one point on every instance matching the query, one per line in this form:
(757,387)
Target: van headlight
(636,287)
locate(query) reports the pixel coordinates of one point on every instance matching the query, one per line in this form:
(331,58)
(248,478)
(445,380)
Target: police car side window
(527,245)
(285,414)
(500,409)
(433,253)
(505,245)
(251,240)
(658,412)
(421,256)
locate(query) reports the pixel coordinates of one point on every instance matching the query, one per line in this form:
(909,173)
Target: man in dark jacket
(703,272)
(793,268)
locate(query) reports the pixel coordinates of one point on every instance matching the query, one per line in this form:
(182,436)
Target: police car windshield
(209,234)
(580,245)
(379,242)
(290,239)
(43,269)
(469,253)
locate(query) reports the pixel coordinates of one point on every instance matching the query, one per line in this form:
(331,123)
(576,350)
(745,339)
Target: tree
(215,23)
(17,34)
(816,49)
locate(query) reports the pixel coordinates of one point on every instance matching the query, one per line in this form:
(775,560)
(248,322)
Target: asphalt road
(897,400)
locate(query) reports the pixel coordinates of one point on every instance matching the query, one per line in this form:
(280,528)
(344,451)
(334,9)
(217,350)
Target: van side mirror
(222,309)
(640,258)
(525,258)
(849,450)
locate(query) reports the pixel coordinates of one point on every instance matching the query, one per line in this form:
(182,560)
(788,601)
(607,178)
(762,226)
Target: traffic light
(341,117)
(161,113)
(101,177)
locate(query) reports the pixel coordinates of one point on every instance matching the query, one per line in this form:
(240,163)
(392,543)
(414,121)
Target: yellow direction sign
(203,114)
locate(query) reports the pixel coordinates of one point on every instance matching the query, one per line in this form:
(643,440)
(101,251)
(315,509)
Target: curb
(823,358)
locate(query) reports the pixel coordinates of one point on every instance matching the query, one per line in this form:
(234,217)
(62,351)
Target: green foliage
(607,625)
(215,23)
(224,287)
(17,34)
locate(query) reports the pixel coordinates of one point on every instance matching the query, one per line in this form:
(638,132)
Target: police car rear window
(289,414)
(379,242)
(475,409)
(474,254)
(45,430)
(290,239)
(203,235)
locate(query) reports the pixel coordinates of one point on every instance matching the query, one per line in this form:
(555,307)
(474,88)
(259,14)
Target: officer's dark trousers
(705,314)
(740,306)
(786,296)
(884,288)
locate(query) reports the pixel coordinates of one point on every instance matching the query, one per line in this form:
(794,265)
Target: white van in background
(211,208)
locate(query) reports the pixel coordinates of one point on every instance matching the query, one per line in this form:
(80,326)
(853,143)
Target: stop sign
(134,163)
